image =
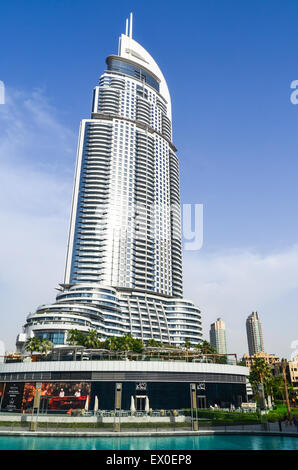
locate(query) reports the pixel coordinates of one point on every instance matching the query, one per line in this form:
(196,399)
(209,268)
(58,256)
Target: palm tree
(260,374)
(92,340)
(138,345)
(125,343)
(187,345)
(76,337)
(284,364)
(111,343)
(72,337)
(153,343)
(33,344)
(46,346)
(205,348)
(278,388)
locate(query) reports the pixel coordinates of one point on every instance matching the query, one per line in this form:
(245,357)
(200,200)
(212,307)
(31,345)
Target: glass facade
(63,396)
(116,65)
(56,337)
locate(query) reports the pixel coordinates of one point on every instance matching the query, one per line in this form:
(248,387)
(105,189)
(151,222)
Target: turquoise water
(150,443)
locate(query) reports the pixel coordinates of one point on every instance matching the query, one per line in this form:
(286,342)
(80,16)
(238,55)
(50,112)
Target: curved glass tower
(124,269)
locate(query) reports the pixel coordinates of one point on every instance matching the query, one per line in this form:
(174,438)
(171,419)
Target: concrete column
(118,397)
(193,401)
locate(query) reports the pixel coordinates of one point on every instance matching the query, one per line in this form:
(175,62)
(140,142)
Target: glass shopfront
(63,397)
(59,397)
(168,395)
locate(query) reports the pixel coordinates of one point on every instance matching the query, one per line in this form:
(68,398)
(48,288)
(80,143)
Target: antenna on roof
(130,25)
(126,27)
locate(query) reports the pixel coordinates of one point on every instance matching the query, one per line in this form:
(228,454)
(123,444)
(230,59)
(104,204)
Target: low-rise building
(291,373)
(271,359)
(67,383)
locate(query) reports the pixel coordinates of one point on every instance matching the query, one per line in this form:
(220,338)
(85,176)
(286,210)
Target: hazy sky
(229,66)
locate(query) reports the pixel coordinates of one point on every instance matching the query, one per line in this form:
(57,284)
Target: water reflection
(150,443)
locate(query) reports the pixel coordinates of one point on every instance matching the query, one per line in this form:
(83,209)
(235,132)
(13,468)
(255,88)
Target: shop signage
(141,386)
(201,386)
(13,395)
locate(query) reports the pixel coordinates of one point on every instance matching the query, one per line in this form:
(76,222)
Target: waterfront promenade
(127,429)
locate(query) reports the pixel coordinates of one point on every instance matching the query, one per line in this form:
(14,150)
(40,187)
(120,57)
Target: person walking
(295,422)
(279,424)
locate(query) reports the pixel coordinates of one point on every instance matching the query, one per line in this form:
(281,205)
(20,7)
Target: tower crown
(132,51)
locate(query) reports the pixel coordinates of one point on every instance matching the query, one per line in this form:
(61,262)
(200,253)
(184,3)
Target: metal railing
(100,427)
(82,355)
(21,422)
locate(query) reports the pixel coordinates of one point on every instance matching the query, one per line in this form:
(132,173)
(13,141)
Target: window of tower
(132,70)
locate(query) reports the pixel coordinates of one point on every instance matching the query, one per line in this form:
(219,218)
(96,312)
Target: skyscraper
(124,269)
(254,334)
(218,336)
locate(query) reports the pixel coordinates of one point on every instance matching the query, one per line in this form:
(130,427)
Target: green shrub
(218,416)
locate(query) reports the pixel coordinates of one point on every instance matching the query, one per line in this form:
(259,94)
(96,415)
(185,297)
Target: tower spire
(130,25)
(126,27)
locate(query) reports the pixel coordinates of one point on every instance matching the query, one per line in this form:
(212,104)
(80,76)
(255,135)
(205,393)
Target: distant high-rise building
(254,334)
(218,336)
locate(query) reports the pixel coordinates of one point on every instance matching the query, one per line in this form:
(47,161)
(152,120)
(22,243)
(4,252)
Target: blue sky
(229,66)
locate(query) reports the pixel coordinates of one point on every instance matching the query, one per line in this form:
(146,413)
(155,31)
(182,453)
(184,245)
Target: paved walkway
(251,428)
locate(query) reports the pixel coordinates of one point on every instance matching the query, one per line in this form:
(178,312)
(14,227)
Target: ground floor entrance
(201,401)
(140,403)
